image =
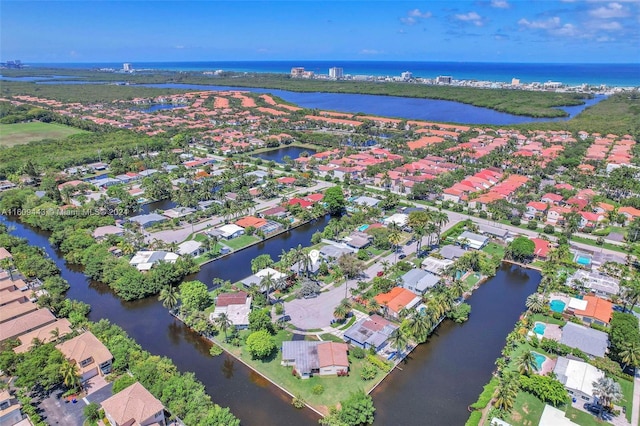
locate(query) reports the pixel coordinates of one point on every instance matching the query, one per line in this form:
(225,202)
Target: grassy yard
(627,400)
(335,388)
(547,319)
(495,250)
(472,280)
(240,242)
(591,242)
(527,410)
(21,133)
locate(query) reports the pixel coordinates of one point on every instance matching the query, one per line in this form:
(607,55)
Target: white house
(192,248)
(577,377)
(400,219)
(228,231)
(472,240)
(144,260)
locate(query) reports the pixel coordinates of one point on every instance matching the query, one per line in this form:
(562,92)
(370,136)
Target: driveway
(60,411)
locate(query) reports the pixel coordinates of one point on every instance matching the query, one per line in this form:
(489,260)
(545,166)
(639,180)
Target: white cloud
(548,24)
(500,4)
(612,10)
(472,17)
(370,52)
(610,26)
(414,16)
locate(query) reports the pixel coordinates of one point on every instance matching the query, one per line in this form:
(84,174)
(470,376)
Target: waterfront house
(419,281)
(89,353)
(144,260)
(498,233)
(596,282)
(332,252)
(372,332)
(227,232)
(311,358)
(192,248)
(396,300)
(578,377)
(277,212)
(134,406)
(590,341)
(103,232)
(236,306)
(366,201)
(541,248)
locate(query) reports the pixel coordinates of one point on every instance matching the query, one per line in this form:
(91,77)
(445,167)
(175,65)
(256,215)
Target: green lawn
(591,242)
(547,319)
(527,410)
(627,400)
(21,133)
(335,388)
(472,280)
(495,250)
(240,242)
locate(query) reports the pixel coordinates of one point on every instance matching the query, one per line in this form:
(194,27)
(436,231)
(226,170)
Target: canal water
(435,386)
(441,378)
(278,154)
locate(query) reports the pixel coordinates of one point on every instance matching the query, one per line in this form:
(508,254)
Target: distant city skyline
(551,31)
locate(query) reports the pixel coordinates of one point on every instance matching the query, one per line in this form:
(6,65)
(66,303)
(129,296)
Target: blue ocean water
(572,74)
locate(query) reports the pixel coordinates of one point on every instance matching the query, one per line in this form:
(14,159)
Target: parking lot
(62,411)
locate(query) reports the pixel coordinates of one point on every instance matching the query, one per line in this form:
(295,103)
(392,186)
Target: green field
(21,133)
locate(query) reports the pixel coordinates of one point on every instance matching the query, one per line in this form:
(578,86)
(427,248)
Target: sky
(529,31)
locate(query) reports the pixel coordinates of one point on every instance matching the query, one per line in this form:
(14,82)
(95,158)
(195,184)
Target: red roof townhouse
(536,209)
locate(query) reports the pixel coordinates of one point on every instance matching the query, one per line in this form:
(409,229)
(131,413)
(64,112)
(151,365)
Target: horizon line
(325,60)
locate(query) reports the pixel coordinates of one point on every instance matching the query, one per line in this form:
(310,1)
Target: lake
(278,154)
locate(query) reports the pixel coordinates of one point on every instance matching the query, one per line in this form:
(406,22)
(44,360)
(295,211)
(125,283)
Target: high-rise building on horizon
(126,67)
(407,75)
(336,72)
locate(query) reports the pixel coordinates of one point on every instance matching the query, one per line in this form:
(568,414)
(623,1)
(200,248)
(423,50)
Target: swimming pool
(363,228)
(557,305)
(583,260)
(540,359)
(539,328)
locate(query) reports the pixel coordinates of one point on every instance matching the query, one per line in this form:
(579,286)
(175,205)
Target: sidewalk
(635,413)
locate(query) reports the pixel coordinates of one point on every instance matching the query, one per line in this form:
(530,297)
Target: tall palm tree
(70,374)
(630,355)
(607,390)
(399,340)
(420,327)
(267,282)
(224,323)
(506,393)
(440,218)
(526,363)
(373,305)
(395,237)
(457,288)
(342,310)
(169,297)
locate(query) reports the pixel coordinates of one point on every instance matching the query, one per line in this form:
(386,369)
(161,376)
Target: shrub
(515,221)
(549,229)
(357,352)
(279,309)
(298,402)
(382,365)
(532,225)
(369,372)
(215,350)
(317,390)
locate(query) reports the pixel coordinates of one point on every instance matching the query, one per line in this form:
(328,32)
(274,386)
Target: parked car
(618,308)
(310,296)
(593,408)
(285,318)
(402,256)
(380,273)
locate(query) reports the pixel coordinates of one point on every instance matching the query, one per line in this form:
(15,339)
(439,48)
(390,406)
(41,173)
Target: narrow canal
(443,377)
(434,387)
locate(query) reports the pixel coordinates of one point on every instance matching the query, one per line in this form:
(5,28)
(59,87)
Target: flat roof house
(436,266)
(452,252)
(227,232)
(419,281)
(598,283)
(91,355)
(472,240)
(236,306)
(147,220)
(134,406)
(577,377)
(592,342)
(192,248)
(144,260)
(321,358)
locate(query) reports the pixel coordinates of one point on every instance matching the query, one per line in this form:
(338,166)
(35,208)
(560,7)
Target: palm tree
(169,297)
(342,310)
(7,265)
(535,303)
(526,363)
(440,218)
(457,288)
(395,237)
(607,390)
(373,305)
(70,377)
(506,393)
(420,326)
(223,322)
(398,340)
(267,282)
(630,355)
(55,334)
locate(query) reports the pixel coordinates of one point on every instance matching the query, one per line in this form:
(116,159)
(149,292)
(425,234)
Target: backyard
(240,242)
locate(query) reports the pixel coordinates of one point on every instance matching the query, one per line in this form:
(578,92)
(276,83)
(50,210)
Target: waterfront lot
(20,133)
(335,388)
